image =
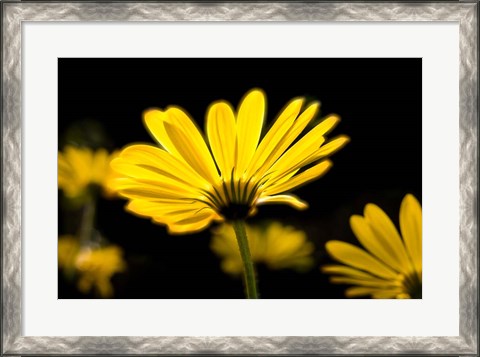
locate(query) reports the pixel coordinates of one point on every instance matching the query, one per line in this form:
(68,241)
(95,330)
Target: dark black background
(379,101)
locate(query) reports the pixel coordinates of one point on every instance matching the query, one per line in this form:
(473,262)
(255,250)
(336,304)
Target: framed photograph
(239,178)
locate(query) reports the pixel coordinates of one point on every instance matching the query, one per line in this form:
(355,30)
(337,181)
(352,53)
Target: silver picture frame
(16,12)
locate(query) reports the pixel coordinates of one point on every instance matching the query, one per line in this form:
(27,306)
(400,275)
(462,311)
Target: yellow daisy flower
(96,268)
(186,183)
(391,265)
(80,167)
(275,245)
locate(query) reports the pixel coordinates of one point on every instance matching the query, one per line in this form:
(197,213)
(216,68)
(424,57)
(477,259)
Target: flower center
(413,285)
(235,211)
(234,198)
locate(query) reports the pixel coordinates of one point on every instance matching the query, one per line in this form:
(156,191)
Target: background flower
(274,244)
(390,266)
(92,267)
(96,268)
(80,167)
(68,247)
(86,260)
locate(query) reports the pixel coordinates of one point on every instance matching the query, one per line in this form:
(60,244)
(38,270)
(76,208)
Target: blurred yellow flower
(186,183)
(275,245)
(389,267)
(80,167)
(68,247)
(96,268)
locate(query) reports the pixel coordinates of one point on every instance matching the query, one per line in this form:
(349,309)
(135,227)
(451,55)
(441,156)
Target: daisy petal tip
(410,199)
(334,119)
(179,230)
(255,94)
(324,269)
(315,106)
(128,207)
(152,114)
(174,232)
(256,91)
(175,109)
(116,163)
(371,209)
(349,293)
(298,101)
(354,220)
(344,140)
(331,245)
(219,104)
(302,206)
(328,165)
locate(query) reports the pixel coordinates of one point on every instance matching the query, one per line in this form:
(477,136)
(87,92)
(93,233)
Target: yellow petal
(370,282)
(327,124)
(191,225)
(221,134)
(270,146)
(284,178)
(322,150)
(387,294)
(411,227)
(309,175)
(377,244)
(250,117)
(376,293)
(301,153)
(349,254)
(300,123)
(161,207)
(137,189)
(143,193)
(311,154)
(152,176)
(347,271)
(385,231)
(295,157)
(186,215)
(172,129)
(162,160)
(153,120)
(180,217)
(331,147)
(195,153)
(291,200)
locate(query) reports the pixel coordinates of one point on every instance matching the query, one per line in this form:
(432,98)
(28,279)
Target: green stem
(88,218)
(249,272)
